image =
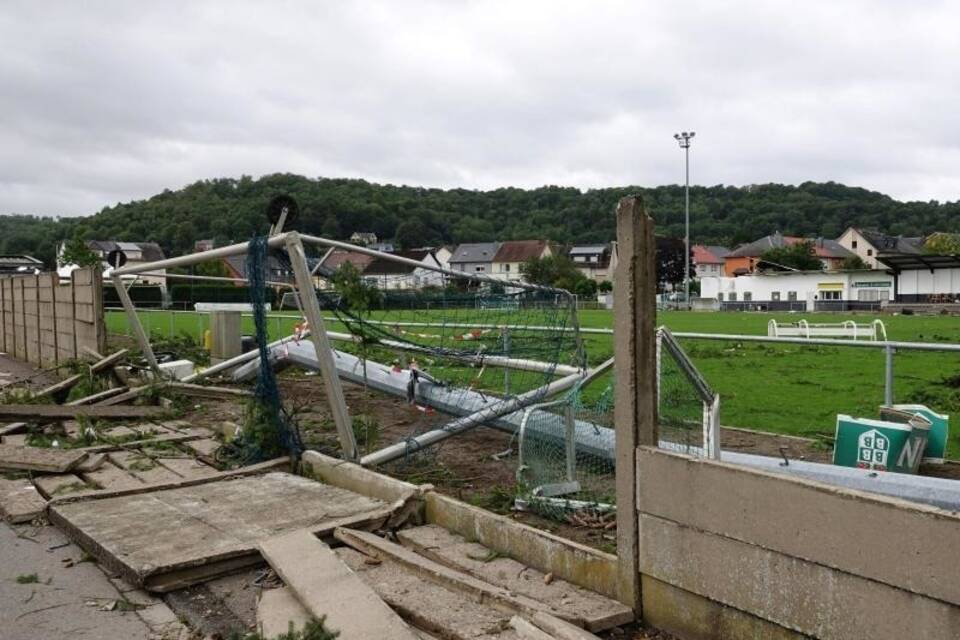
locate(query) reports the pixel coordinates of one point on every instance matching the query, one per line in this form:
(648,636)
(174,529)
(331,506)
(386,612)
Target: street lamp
(684,140)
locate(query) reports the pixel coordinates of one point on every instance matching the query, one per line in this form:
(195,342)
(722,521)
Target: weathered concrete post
(225,335)
(635,408)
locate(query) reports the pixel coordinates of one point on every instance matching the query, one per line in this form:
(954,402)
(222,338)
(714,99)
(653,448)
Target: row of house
(502,260)
(899,270)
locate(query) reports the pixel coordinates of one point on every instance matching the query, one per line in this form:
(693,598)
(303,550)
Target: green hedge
(142,295)
(187,294)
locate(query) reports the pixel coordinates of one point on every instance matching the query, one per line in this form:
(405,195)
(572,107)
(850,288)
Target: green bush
(142,295)
(184,295)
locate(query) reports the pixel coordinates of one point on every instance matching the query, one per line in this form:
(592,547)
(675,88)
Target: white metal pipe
(198,258)
(421,265)
(238,360)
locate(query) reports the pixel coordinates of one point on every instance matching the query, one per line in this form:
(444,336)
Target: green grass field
(792,389)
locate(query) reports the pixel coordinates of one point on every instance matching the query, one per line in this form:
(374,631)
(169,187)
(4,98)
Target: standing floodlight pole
(684,139)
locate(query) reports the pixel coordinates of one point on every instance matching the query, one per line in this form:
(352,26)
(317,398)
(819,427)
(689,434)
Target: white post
(571,442)
(318,333)
(134,321)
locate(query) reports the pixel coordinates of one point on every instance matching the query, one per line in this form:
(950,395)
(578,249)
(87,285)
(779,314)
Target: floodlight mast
(684,138)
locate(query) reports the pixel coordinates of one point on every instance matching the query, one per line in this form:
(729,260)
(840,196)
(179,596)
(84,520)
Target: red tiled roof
(338,257)
(703,255)
(520,250)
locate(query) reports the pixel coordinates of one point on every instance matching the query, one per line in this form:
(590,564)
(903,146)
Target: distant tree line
(232,210)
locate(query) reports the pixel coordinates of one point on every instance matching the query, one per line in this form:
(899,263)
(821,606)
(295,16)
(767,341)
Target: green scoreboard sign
(879,445)
(936,450)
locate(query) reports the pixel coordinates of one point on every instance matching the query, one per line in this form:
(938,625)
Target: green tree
(77,252)
(800,256)
(943,244)
(854,263)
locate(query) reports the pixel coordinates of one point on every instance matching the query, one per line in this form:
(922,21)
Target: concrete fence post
(635,407)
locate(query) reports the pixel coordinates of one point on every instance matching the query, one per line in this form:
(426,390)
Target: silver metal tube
(888,378)
(197,258)
(473,420)
(133,319)
(237,360)
(416,263)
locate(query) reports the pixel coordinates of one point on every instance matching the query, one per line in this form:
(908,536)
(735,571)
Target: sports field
(791,389)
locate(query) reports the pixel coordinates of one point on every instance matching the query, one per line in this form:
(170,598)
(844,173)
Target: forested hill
(231,210)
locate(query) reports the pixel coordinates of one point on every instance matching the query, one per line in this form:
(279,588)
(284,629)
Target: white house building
(595,261)
(136,253)
(388,274)
(870,245)
(511,256)
(801,290)
(474,257)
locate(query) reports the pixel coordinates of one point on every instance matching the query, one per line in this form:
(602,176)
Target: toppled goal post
(489,346)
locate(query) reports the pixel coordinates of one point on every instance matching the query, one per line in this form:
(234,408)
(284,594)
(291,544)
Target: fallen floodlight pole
(491,412)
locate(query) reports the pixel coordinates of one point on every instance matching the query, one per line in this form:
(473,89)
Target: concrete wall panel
(793,593)
(903,544)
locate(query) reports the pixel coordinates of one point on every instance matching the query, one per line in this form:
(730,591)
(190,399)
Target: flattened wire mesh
(565,473)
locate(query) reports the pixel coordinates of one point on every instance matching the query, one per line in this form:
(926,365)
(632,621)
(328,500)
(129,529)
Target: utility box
(936,451)
(880,445)
(224,335)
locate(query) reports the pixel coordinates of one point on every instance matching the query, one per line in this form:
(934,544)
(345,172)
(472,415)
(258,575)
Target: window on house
(829,295)
(733,296)
(868,295)
(775,296)
(747,296)
(720,296)
(506,268)
(869,252)
(792,296)
(854,244)
(480,268)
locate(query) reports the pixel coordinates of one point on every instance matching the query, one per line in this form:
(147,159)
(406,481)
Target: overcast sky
(102,102)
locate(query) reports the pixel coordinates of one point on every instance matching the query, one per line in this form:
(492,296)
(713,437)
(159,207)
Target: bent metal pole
(490,412)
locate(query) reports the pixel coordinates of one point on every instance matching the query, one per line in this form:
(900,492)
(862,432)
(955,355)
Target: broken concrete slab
(592,610)
(206,527)
(145,468)
(110,477)
(40,458)
(485,592)
(187,467)
(277,609)
(206,449)
(92,463)
(59,484)
(428,605)
(325,586)
(20,501)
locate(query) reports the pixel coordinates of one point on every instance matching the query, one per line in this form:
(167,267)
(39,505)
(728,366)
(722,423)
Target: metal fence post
(506,353)
(888,379)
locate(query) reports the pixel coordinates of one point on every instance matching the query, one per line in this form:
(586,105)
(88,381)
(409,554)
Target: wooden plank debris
(325,586)
(110,477)
(92,463)
(592,611)
(97,397)
(40,458)
(20,501)
(485,592)
(204,391)
(529,631)
(187,467)
(203,528)
(437,608)
(35,412)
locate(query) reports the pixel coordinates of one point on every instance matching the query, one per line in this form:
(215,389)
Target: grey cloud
(106,102)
